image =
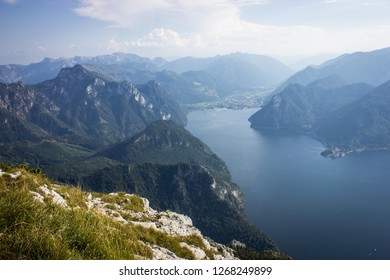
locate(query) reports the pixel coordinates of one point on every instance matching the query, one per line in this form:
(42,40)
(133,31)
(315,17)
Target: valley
(224,140)
(87,128)
(237,101)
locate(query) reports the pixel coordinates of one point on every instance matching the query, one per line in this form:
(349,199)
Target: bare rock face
(176,224)
(160,253)
(169,222)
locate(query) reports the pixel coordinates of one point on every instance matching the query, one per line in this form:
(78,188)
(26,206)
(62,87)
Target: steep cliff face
(187,189)
(62,222)
(85,108)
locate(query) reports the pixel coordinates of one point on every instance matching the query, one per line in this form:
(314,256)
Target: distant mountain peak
(77,69)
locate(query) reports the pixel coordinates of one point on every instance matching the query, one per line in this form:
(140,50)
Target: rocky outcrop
(168,222)
(131,210)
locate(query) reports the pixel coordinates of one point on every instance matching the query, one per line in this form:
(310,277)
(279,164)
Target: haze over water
(313,207)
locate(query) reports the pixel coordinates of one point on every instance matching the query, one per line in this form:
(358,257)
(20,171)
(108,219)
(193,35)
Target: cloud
(131,13)
(250,2)
(121,12)
(158,38)
(41,48)
(168,23)
(205,27)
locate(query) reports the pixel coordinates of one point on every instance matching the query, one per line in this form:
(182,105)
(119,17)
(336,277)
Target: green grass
(74,195)
(124,200)
(30,229)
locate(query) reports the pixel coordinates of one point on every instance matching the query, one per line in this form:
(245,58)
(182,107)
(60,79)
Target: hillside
(345,118)
(363,124)
(42,220)
(190,190)
(298,108)
(47,221)
(175,171)
(163,163)
(164,142)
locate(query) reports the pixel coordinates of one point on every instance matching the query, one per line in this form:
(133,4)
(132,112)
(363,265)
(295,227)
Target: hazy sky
(33,29)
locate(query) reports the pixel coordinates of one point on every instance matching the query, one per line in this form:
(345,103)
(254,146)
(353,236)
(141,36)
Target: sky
(34,29)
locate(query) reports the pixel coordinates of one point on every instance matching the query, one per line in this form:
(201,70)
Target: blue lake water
(313,207)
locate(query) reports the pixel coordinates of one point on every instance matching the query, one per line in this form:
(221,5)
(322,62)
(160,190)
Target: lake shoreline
(311,206)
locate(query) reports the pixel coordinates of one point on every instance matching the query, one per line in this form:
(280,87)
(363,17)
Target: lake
(313,207)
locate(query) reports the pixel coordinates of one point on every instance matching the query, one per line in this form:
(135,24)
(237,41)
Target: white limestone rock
(15,175)
(171,223)
(56,198)
(160,253)
(198,253)
(176,224)
(38,197)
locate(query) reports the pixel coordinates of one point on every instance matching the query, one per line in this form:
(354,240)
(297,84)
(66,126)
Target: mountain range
(188,80)
(343,103)
(88,129)
(49,68)
(362,124)
(298,108)
(82,107)
(187,88)
(367,67)
(116,123)
(241,70)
